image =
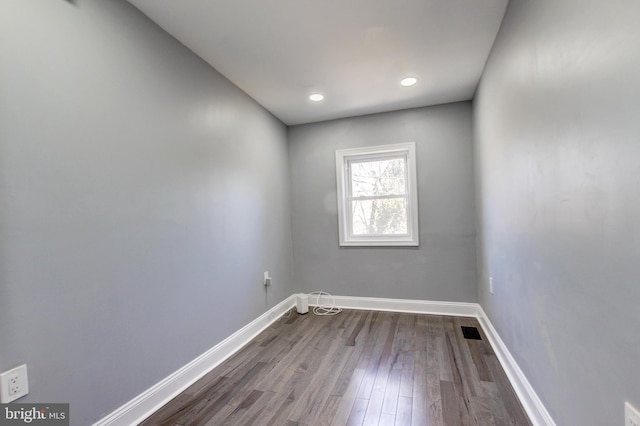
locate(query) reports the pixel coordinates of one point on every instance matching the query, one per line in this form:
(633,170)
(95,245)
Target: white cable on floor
(328,309)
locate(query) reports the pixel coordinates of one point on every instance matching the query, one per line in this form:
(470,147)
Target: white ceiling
(353,51)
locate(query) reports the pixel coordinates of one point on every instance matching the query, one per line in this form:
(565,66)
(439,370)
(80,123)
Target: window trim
(343,158)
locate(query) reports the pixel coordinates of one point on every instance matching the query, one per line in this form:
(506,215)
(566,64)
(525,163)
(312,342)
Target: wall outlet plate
(14,384)
(631,415)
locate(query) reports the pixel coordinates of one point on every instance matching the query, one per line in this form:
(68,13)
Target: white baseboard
(399,305)
(145,404)
(148,402)
(536,410)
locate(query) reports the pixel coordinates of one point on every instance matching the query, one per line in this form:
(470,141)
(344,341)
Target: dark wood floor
(355,368)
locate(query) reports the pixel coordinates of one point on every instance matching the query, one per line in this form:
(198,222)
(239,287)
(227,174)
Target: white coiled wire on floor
(327,308)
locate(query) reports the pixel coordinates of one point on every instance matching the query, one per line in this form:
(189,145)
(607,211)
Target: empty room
(416,212)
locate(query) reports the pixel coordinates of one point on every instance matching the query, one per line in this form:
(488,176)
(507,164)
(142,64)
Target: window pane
(380,177)
(379,217)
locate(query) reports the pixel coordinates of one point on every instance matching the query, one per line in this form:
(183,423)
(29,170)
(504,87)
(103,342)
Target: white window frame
(343,158)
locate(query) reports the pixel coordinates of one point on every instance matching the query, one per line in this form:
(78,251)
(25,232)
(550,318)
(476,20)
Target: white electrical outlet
(491,285)
(14,384)
(267,279)
(631,415)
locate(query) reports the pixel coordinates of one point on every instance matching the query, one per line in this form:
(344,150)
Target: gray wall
(557,141)
(443,267)
(142,195)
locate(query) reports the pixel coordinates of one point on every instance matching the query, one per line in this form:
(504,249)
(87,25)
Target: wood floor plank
(500,415)
(173,406)
(482,411)
(465,361)
(307,370)
(348,399)
(253,414)
(406,380)
(461,383)
(335,356)
(328,411)
(403,413)
(509,399)
(477,355)
(419,410)
(383,370)
(374,358)
(317,408)
(359,325)
(240,392)
(450,411)
(346,380)
(433,372)
(281,408)
(218,404)
(386,420)
(294,353)
(240,410)
(360,368)
(406,329)
(440,348)
(252,348)
(356,417)
(392,390)
(324,377)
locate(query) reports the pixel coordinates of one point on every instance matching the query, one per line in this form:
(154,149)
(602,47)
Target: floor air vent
(471,333)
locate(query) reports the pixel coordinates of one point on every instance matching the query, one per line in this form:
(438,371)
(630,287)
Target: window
(377,195)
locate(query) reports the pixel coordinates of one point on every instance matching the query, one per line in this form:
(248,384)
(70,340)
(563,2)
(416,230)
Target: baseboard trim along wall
(398,305)
(532,404)
(148,402)
(155,397)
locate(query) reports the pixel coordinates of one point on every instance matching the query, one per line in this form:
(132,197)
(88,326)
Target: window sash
(370,158)
(351,220)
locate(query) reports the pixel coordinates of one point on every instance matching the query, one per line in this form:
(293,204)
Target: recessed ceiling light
(409,81)
(316,97)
